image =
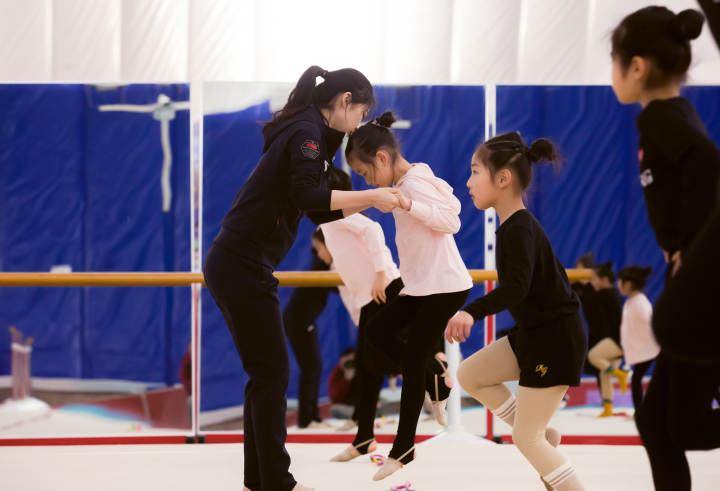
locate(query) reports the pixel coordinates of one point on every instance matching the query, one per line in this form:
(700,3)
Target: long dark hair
(306,93)
(365,141)
(509,151)
(663,37)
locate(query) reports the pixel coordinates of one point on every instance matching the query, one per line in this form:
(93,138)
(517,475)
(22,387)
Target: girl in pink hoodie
(355,247)
(436,280)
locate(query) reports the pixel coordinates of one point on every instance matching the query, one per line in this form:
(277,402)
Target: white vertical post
(490,227)
(196,213)
(455,431)
(454,404)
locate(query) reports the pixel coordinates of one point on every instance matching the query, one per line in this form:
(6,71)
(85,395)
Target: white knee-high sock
(564,478)
(506,410)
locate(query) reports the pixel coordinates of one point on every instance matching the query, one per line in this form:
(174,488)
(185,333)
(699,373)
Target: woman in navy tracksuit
(289,180)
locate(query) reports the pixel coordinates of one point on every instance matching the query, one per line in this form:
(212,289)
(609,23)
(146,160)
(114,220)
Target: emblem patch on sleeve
(310,149)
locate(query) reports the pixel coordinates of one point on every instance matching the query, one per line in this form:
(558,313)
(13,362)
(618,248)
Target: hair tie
(324,74)
(528,153)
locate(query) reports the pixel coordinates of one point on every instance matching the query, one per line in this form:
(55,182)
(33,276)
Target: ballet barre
(285,278)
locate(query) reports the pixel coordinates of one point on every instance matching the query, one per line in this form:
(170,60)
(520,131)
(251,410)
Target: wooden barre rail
(286,278)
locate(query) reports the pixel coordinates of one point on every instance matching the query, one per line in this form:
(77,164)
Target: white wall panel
(25,40)
(222,39)
(416,41)
(391,41)
(293,35)
(552,41)
(485,41)
(154,40)
(86,40)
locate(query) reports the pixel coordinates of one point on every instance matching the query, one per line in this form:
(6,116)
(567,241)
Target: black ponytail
(510,151)
(306,93)
(636,275)
(605,270)
(365,141)
(661,36)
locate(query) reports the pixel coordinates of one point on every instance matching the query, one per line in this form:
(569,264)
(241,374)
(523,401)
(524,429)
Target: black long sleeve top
(679,171)
(532,284)
(290,179)
(685,320)
(608,314)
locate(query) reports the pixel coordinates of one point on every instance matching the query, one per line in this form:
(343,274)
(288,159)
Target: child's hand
(405,202)
(378,288)
(459,326)
(385,199)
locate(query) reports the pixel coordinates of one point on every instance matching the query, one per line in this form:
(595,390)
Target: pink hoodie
(430,262)
(357,245)
(636,336)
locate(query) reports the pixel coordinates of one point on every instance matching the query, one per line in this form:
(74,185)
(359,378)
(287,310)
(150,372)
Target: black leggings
(639,371)
(372,366)
(676,416)
(421,321)
(246,294)
(301,312)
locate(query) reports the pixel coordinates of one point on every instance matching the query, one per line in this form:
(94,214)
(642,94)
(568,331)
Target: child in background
(636,337)
(606,354)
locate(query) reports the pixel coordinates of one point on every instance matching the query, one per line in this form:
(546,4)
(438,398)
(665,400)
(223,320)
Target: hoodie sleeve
(432,208)
(308,190)
(374,237)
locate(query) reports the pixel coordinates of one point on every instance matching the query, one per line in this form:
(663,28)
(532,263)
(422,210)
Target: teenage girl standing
(546,349)
(289,180)
(679,173)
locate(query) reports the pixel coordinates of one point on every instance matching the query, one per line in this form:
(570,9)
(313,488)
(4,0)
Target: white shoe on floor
(317,425)
(347,426)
